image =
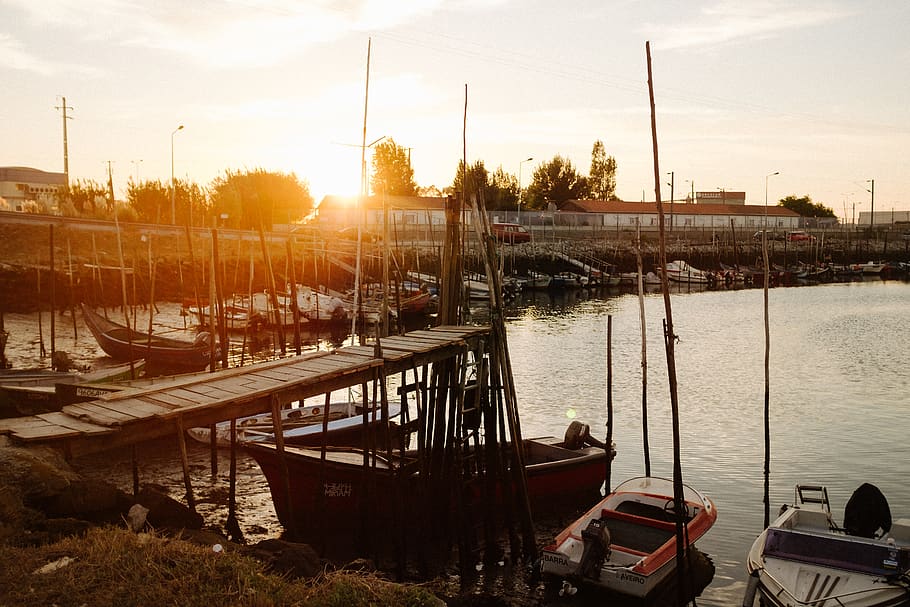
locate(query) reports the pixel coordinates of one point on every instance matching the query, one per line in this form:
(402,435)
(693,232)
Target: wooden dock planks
(218,395)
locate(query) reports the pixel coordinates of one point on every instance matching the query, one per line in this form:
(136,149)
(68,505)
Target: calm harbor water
(838,398)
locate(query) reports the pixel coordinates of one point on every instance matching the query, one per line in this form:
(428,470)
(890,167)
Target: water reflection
(837,391)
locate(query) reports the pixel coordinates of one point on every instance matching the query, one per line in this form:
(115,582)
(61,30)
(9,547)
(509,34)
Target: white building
(19,185)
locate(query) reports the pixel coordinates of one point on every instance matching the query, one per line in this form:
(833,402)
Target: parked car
(799,236)
(511,233)
(771,236)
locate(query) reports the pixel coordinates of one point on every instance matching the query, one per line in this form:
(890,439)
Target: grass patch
(113,567)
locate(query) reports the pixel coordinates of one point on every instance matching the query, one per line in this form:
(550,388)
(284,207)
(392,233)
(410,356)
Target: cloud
(14,56)
(730,21)
(238,33)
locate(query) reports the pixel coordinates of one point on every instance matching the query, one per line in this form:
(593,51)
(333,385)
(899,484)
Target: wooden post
(219,298)
(184,461)
(644,363)
(295,309)
(285,476)
(232,526)
(669,344)
(53,298)
(72,298)
(608,447)
(134,457)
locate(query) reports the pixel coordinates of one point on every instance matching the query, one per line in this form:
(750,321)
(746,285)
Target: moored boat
(804,558)
(300,425)
(33,391)
(626,543)
(557,470)
(681,271)
(161,353)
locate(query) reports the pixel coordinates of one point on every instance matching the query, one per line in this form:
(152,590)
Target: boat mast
(364,190)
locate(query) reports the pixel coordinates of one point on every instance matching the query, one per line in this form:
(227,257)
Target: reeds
(114,567)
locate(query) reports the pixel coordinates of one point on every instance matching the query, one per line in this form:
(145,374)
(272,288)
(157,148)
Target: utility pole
(110,184)
(66,158)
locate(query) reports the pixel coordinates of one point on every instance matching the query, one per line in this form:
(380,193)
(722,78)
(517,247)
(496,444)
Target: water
(838,386)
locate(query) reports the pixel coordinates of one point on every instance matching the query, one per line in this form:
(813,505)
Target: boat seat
(636,533)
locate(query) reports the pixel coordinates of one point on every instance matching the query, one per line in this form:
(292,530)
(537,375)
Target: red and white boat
(627,543)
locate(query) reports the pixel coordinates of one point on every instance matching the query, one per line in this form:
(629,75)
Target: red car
(799,236)
(511,233)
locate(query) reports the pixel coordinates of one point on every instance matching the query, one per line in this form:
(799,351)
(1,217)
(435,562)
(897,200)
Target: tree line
(253,198)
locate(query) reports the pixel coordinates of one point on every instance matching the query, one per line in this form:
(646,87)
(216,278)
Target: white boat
(681,271)
(237,316)
(626,544)
(804,558)
(300,425)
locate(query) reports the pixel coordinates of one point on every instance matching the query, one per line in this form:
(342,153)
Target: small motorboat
(804,558)
(626,544)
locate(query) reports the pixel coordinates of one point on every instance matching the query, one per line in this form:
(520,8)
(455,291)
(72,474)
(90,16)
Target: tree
(151,200)
(251,197)
(502,191)
(805,207)
(556,181)
(392,172)
(499,189)
(84,195)
(602,178)
(472,182)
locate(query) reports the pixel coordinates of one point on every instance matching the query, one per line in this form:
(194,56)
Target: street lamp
(136,164)
(692,197)
(672,177)
(173,208)
(872,207)
(519,186)
(766,199)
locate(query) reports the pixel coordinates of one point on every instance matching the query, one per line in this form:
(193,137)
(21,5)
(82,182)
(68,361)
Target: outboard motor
(596,538)
(867,511)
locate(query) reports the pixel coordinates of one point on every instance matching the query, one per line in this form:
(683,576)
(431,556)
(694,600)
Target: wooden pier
(166,408)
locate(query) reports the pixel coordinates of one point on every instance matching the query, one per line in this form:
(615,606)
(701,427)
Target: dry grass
(113,567)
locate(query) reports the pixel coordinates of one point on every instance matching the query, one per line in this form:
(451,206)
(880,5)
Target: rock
(136,517)
(86,499)
(34,473)
(280,556)
(166,512)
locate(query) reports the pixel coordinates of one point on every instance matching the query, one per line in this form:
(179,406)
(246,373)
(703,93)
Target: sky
(816,91)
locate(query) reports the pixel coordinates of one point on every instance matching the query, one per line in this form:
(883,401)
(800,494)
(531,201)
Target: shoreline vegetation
(110,566)
(66,541)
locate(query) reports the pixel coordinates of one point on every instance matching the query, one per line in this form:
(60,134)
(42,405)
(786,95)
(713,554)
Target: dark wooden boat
(328,490)
(163,354)
(34,391)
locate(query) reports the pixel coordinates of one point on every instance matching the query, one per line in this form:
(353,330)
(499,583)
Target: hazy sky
(819,91)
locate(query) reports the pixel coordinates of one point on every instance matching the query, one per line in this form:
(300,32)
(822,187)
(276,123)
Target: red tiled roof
(618,206)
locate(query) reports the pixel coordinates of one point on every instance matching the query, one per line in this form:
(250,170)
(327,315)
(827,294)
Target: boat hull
(636,535)
(162,354)
(341,484)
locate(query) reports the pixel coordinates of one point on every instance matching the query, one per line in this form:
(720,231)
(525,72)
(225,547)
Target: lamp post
(872,203)
(672,176)
(692,196)
(529,159)
(766,200)
(136,164)
(173,208)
